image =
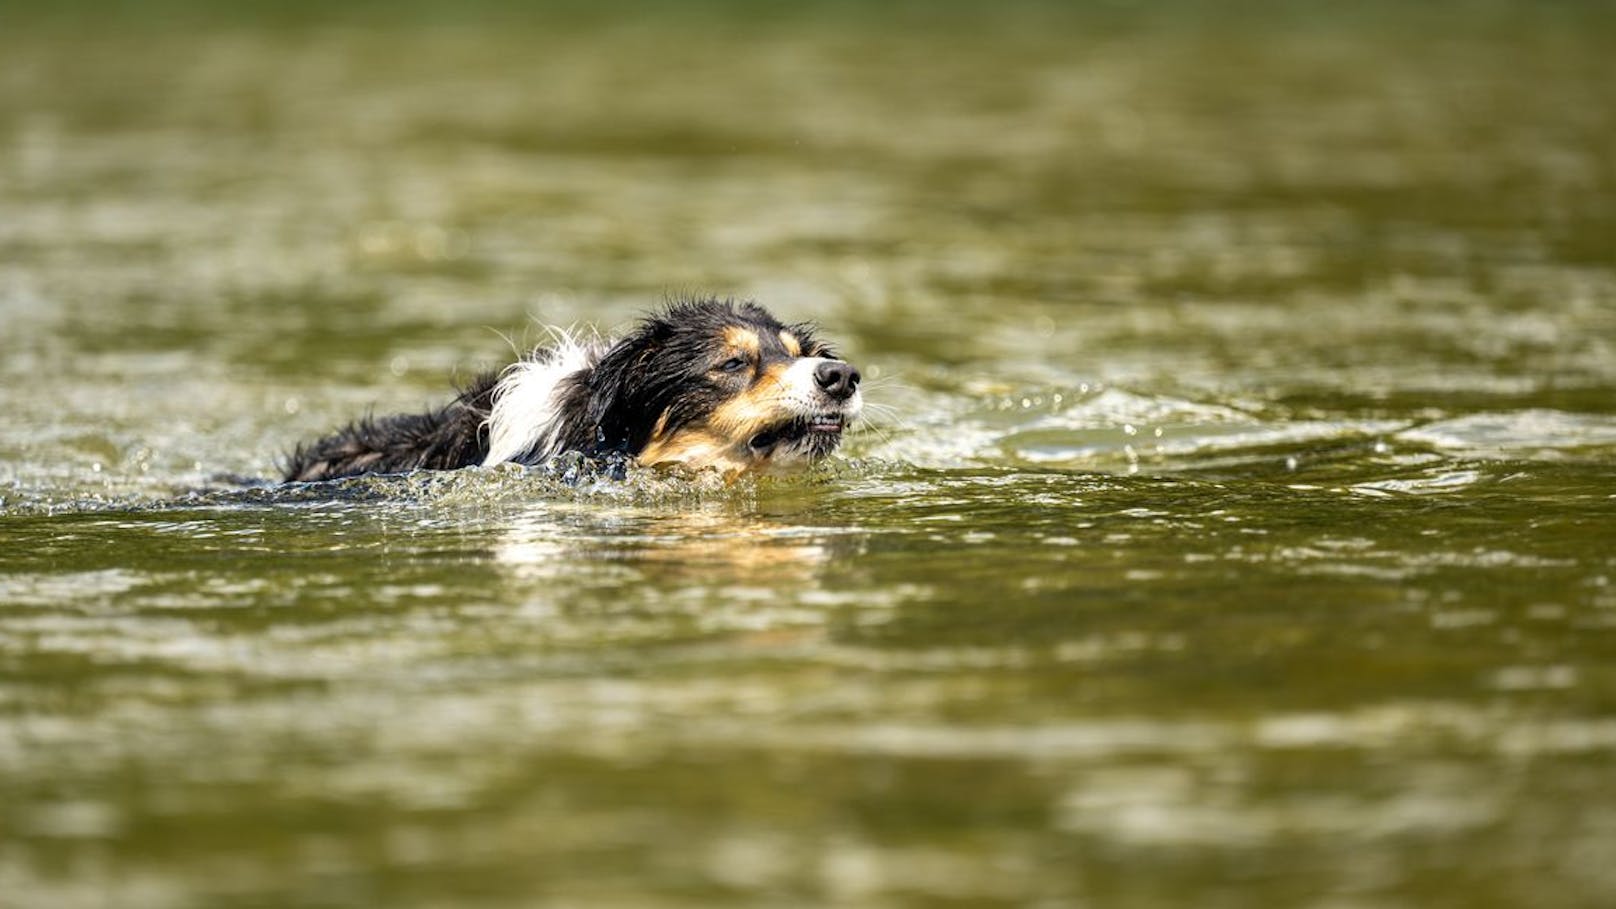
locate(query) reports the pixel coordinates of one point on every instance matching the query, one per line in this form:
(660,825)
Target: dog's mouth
(822,427)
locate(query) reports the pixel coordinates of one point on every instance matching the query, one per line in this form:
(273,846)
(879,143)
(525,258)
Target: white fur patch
(526,413)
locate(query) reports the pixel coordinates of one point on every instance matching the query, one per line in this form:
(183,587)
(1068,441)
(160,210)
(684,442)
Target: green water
(1237,528)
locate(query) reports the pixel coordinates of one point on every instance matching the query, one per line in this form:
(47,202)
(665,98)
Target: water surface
(1235,529)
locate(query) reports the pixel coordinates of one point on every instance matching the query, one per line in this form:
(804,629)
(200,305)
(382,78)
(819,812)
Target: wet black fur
(451,436)
(664,365)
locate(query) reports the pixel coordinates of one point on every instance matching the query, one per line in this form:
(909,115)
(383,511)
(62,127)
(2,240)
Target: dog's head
(726,385)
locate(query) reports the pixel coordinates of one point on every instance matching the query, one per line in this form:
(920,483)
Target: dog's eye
(732,364)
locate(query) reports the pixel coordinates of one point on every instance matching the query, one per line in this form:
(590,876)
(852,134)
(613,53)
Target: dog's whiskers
(885,413)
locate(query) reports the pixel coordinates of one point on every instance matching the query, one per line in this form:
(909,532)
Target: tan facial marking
(744,340)
(685,445)
(793,346)
(660,428)
(699,448)
(752,410)
(721,440)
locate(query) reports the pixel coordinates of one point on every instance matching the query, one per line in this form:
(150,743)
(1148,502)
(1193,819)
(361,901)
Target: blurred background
(1234,527)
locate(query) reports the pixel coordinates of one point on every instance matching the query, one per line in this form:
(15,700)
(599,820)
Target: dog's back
(449,437)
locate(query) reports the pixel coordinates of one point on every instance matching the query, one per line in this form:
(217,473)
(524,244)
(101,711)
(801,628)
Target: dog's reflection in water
(755,577)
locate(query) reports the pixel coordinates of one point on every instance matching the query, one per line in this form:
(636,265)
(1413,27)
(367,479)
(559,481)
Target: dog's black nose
(838,379)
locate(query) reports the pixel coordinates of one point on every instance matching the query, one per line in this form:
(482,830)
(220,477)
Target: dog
(703,383)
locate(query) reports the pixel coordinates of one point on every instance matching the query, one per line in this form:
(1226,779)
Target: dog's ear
(616,408)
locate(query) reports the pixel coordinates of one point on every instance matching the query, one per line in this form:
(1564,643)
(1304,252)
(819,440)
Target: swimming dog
(703,383)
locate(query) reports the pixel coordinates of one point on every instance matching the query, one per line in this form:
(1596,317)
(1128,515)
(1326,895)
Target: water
(1236,529)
